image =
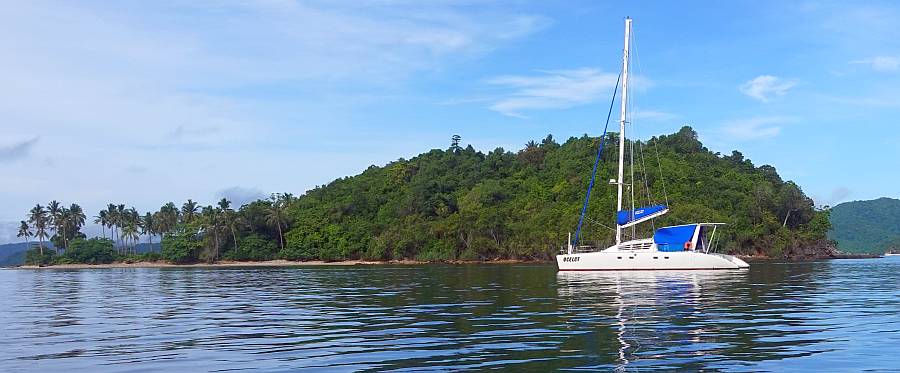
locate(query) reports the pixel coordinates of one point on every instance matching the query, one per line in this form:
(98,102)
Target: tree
(102,219)
(253,247)
(56,215)
(90,251)
(130,234)
(454,143)
(188,210)
(179,247)
(446,205)
(69,223)
(24,231)
(229,218)
(148,227)
(121,221)
(168,218)
(275,217)
(38,219)
(113,220)
(77,216)
(210,223)
(224,204)
(133,227)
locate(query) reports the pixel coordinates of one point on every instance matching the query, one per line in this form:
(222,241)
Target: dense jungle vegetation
(462,204)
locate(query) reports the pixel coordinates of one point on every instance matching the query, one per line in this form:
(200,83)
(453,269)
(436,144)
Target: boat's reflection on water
(653,315)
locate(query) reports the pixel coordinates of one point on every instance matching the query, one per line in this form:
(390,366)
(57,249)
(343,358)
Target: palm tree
(112,218)
(24,231)
(224,204)
(38,220)
(188,210)
(65,225)
(275,217)
(229,218)
(168,218)
(130,233)
(102,219)
(134,220)
(57,219)
(233,221)
(211,223)
(78,217)
(121,220)
(148,226)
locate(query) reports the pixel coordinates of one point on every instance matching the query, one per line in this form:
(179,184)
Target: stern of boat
(740,263)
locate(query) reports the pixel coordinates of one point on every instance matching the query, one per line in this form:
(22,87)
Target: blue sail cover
(628,216)
(674,238)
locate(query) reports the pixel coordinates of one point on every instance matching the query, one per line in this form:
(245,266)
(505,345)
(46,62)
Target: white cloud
(555,89)
(201,95)
(653,115)
(881,63)
(754,128)
(765,87)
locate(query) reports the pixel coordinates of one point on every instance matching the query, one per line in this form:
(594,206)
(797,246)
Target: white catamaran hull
(647,260)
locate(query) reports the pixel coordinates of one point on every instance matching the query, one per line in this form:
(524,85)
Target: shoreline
(346,263)
(761,258)
(267,263)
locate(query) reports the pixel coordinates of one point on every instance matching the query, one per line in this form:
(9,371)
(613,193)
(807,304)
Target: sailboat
(680,247)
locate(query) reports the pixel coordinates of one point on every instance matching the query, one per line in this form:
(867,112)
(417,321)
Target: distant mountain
(13,254)
(147,247)
(866,226)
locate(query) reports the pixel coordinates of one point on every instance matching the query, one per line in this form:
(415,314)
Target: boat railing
(636,246)
(584,249)
(581,249)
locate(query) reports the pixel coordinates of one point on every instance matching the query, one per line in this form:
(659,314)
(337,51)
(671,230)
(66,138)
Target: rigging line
(634,124)
(599,223)
(646,183)
(662,176)
(640,71)
(587,197)
(643,171)
(631,151)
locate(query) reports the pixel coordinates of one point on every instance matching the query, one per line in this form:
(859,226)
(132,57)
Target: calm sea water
(841,315)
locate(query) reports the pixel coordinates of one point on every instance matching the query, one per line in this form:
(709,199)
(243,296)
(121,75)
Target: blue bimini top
(674,238)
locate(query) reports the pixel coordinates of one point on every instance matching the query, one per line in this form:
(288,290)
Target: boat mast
(620,182)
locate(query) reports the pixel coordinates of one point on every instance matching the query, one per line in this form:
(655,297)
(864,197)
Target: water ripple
(826,316)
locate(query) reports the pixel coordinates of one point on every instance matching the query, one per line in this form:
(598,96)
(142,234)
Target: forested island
(867,226)
(457,204)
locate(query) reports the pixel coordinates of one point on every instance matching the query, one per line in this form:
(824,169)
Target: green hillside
(13,254)
(866,226)
(464,204)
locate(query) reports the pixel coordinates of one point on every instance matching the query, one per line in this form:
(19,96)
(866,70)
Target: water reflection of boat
(689,246)
(649,311)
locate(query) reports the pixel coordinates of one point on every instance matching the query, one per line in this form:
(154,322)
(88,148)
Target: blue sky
(145,102)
